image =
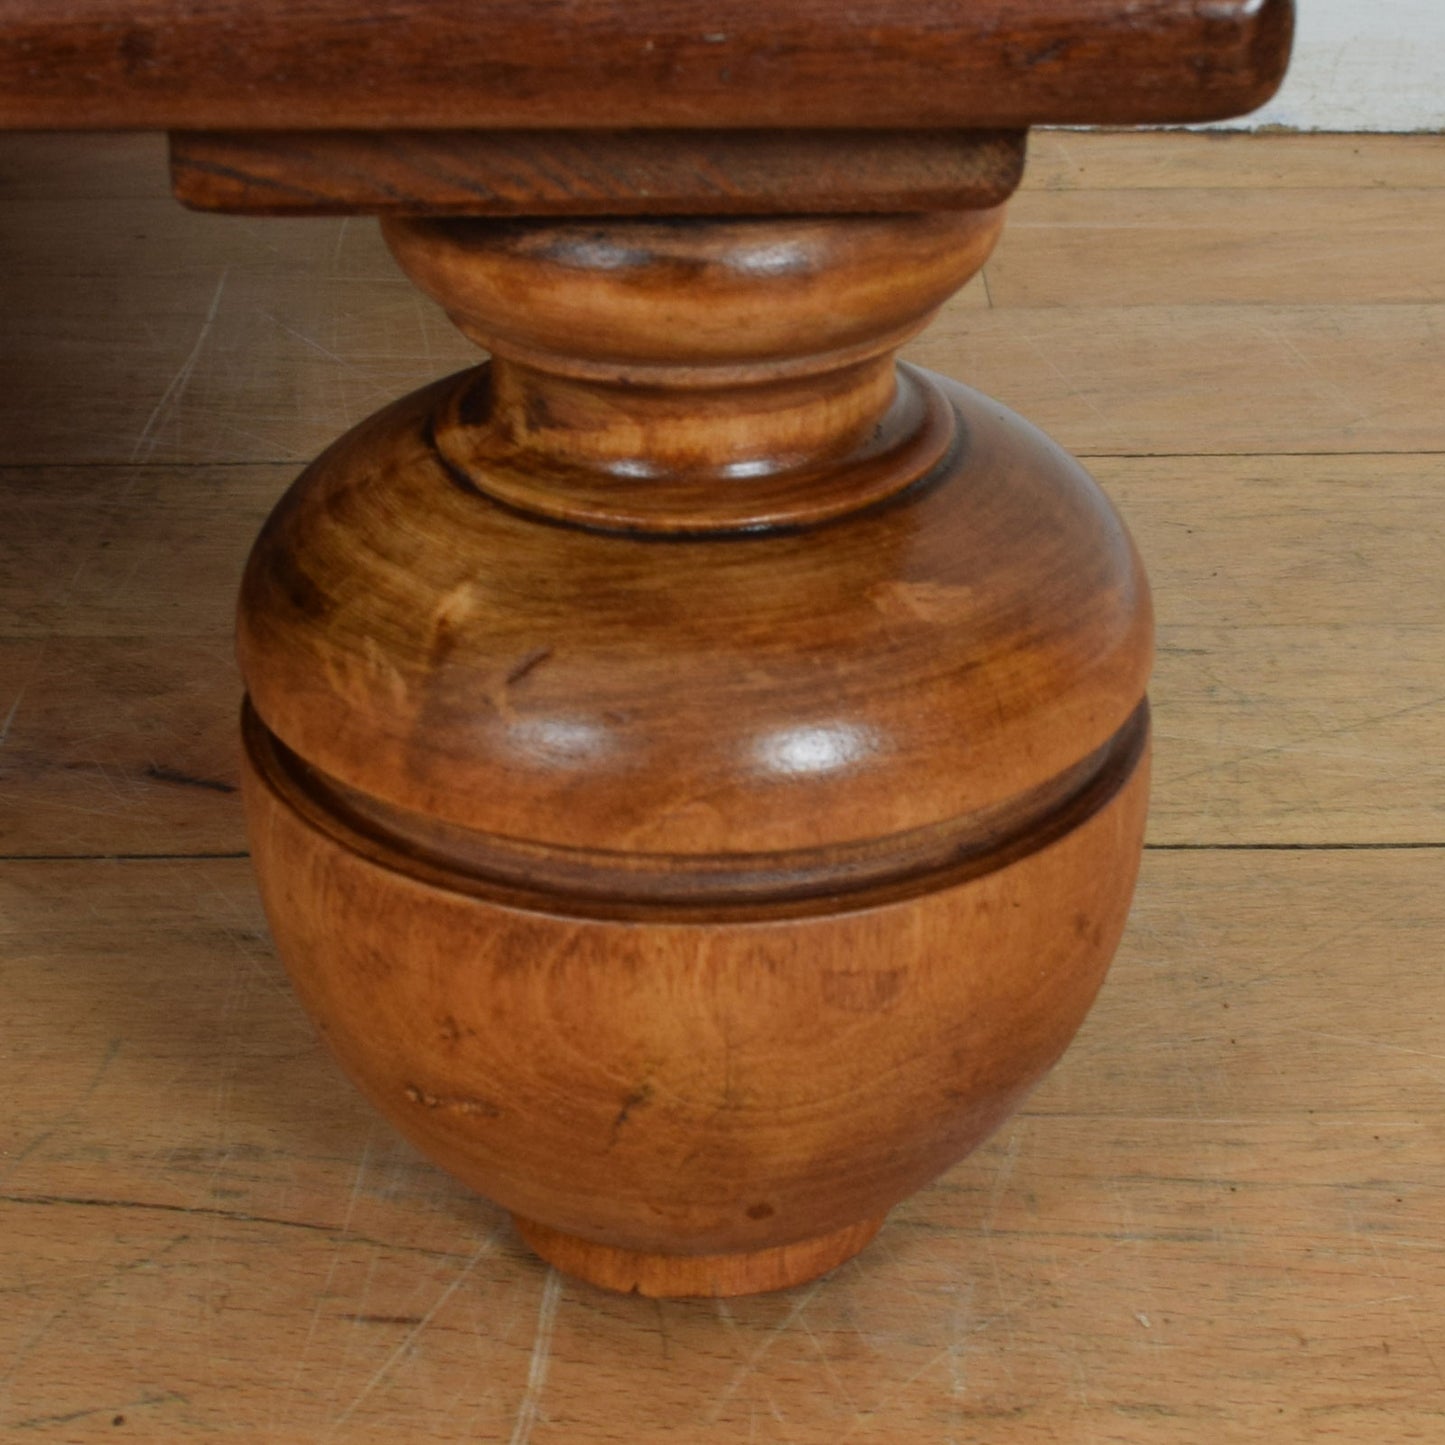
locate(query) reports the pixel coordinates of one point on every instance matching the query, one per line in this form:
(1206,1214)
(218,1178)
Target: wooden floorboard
(244,367)
(1225,247)
(1221,1219)
(1299,690)
(1068,160)
(1181,302)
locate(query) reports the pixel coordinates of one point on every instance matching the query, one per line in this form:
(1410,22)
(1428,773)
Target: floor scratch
(146,442)
(750,1365)
(10,716)
(541,1359)
(67,1117)
(413,1334)
(323,1294)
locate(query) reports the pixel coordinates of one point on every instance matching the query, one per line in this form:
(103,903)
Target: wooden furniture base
(695,766)
(675,1276)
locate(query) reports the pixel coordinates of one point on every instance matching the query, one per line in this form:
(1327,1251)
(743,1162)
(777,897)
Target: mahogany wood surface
(278,64)
(606,172)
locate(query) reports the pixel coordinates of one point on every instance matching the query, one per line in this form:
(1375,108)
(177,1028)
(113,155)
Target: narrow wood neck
(733,432)
(694,375)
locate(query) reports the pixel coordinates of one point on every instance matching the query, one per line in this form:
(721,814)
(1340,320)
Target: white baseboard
(1362,65)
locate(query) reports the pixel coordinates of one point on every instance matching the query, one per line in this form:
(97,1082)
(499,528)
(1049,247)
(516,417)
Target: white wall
(1363,65)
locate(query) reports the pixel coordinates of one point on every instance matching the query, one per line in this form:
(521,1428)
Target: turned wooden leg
(696,765)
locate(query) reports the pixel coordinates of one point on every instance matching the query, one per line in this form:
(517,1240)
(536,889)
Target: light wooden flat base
(679,1276)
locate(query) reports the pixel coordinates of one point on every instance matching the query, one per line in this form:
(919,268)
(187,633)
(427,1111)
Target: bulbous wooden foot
(696,767)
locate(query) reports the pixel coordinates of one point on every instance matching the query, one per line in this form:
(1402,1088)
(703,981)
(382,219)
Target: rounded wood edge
(585,1073)
(683,302)
(732,64)
(919,436)
(711,1276)
(430,724)
(593,172)
(800,883)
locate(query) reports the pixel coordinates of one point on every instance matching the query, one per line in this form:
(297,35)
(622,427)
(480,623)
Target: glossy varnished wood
(725,750)
(117,661)
(667,1086)
(236,64)
(903,670)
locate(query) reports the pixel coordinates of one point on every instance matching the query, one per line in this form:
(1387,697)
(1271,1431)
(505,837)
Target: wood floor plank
(1298,736)
(1299,687)
(1299,691)
(1222,1218)
(149,239)
(136,331)
(1293,735)
(209,366)
(1344,541)
(1211,247)
(1202,161)
(1190,380)
(118,688)
(119,746)
(124,165)
(128,552)
(250,368)
(102,165)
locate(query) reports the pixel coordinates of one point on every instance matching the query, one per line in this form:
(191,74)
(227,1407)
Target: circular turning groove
(756,488)
(601,884)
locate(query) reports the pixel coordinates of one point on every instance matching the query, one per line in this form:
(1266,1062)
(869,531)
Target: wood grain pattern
(717,754)
(228,347)
(710,1100)
(593,172)
(296,1273)
(270,64)
(1179,1192)
(1298,681)
(1210,161)
(1251,753)
(128,164)
(912,614)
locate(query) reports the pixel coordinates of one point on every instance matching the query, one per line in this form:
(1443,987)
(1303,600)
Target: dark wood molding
(596,172)
(396,64)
